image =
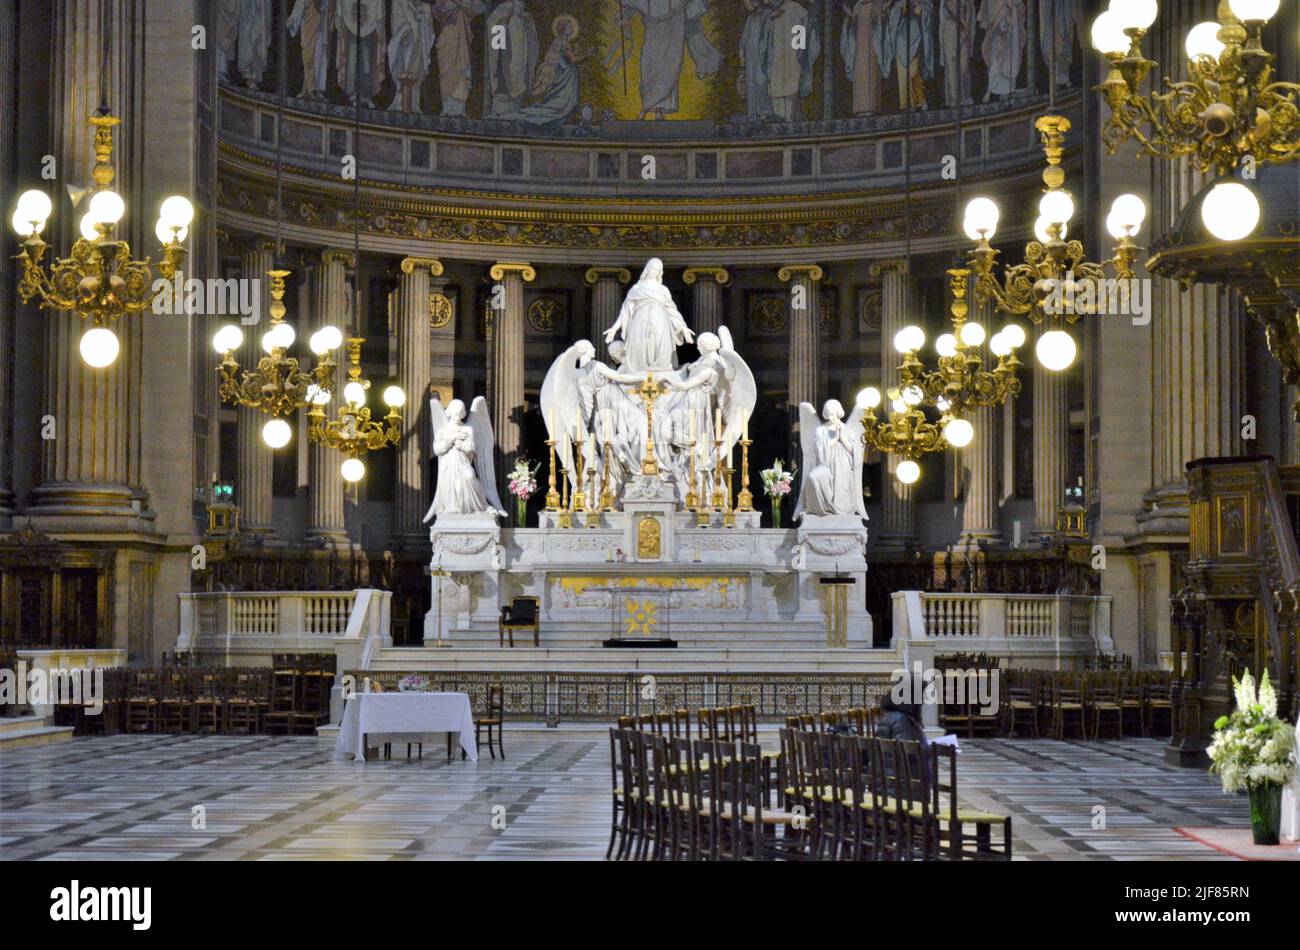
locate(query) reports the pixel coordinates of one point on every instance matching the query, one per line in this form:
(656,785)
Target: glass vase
(776,511)
(1266,813)
(521,512)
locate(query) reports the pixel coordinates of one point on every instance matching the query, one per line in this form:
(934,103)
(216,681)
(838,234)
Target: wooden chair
(1133,705)
(965,834)
(1021,710)
(1160,709)
(243,712)
(279,718)
(493,718)
(174,698)
(520,614)
(765,832)
(620,830)
(142,703)
(1106,711)
(1068,708)
(208,706)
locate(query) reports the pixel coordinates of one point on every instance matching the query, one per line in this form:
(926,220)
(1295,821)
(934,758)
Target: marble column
(91,460)
(331,306)
(707,310)
(897,310)
(253,456)
(508,361)
(8,197)
(606,285)
(1051,438)
(414,368)
(805,332)
(982,458)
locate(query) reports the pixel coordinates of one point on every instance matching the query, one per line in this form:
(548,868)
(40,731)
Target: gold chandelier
(277,386)
(958,385)
(99,280)
(354,433)
(1043,288)
(1228,108)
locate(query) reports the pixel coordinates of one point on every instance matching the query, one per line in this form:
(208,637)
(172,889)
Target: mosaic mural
(740,66)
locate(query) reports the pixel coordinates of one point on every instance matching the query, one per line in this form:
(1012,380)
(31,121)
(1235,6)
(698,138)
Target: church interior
(794,429)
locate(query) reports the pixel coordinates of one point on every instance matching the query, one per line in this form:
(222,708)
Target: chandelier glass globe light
(99,347)
(1056,350)
(907,472)
(353,470)
(1230,211)
(276,433)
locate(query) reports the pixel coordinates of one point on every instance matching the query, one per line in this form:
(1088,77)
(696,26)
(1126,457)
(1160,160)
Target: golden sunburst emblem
(641,616)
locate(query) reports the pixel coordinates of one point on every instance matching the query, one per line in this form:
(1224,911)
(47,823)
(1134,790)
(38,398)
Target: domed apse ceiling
(658,69)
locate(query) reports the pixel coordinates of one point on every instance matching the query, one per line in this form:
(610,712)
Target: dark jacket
(896,724)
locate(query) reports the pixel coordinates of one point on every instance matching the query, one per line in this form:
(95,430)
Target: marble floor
(276,798)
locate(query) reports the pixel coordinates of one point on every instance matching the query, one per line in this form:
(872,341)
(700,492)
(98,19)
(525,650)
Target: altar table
(415,717)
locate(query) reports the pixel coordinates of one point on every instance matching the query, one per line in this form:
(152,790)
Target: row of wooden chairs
(839,796)
(1093,704)
(738,723)
(856,720)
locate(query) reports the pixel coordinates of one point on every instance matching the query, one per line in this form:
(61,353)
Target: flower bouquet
(413,683)
(777,483)
(522,484)
(1255,750)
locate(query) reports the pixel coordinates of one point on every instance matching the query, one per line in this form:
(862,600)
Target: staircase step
(22,732)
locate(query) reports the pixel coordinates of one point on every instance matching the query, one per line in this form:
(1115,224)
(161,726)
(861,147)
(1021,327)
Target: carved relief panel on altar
(649,540)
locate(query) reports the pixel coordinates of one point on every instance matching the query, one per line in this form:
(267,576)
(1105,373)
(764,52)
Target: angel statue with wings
(832,463)
(717,385)
(467,484)
(583,398)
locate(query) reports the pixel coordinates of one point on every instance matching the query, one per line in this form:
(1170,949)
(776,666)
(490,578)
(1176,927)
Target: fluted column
(8,106)
(508,361)
(897,304)
(708,283)
(606,285)
(91,464)
(1051,441)
(805,331)
(413,376)
(982,460)
(253,456)
(331,305)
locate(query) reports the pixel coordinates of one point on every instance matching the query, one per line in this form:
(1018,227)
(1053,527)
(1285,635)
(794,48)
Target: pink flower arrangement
(523,480)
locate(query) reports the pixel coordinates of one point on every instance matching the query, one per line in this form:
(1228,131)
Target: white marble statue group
(701,407)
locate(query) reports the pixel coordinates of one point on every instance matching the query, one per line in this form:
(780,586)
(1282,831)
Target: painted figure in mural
(796,46)
(360,44)
(864,22)
(832,461)
(455,71)
(556,86)
(1062,18)
(907,45)
(410,51)
(225,35)
(671,28)
(1004,44)
(310,22)
(755,51)
(956,44)
(254,40)
(512,48)
(650,323)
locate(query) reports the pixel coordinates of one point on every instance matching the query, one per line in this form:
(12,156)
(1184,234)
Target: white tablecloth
(415,717)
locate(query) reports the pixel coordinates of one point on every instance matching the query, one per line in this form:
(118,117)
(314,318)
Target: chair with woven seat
(957,840)
(1021,710)
(1106,711)
(1068,708)
(620,831)
(520,614)
(142,702)
(1133,706)
(492,720)
(174,697)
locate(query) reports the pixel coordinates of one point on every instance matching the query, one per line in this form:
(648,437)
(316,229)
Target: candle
(551,423)
(717,423)
(745,434)
(609,429)
(729,456)
(695,418)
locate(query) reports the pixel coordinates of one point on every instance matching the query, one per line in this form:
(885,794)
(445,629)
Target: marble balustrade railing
(246,628)
(1054,631)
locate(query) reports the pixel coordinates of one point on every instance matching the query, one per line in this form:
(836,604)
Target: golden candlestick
(692,498)
(565,519)
(552,496)
(729,518)
(606,491)
(579,496)
(719,494)
(745,500)
(650,390)
(593,510)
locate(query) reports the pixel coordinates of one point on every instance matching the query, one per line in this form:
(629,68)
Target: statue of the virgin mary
(650,324)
